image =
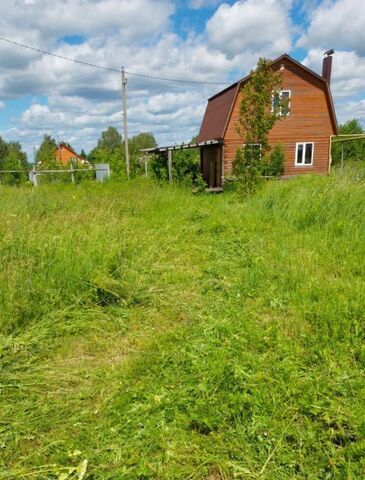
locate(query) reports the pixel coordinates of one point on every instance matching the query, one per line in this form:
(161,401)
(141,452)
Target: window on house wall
(253,147)
(304,153)
(281,102)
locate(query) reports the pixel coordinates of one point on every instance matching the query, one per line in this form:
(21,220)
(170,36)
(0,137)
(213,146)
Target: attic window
(281,102)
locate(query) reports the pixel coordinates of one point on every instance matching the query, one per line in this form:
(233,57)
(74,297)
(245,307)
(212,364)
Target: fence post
(169,164)
(35,178)
(72,174)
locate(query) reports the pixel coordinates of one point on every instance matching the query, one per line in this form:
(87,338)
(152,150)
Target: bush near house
(273,163)
(194,337)
(185,166)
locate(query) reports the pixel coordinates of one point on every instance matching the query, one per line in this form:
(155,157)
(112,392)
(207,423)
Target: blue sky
(205,40)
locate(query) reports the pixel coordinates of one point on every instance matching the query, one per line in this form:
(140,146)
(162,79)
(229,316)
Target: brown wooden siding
(64,155)
(309,121)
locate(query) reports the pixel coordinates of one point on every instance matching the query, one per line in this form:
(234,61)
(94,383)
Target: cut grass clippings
(147,333)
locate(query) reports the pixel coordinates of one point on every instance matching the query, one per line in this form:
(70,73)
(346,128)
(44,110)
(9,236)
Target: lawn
(148,333)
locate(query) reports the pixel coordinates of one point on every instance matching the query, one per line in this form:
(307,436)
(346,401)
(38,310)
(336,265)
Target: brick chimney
(327,65)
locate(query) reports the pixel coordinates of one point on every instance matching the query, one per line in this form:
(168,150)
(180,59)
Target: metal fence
(100,171)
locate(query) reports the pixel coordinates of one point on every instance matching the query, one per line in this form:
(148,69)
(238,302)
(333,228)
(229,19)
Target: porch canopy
(170,148)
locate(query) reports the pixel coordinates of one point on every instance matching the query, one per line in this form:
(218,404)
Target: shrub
(247,169)
(185,167)
(273,164)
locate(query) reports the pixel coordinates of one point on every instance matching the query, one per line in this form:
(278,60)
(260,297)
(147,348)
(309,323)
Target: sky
(202,40)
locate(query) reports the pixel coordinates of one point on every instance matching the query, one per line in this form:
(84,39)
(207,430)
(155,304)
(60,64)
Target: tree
(110,140)
(256,119)
(3,152)
(15,159)
(142,140)
(110,149)
(46,153)
(136,143)
(352,149)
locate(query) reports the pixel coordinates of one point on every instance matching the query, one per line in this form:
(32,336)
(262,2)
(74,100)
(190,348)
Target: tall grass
(149,333)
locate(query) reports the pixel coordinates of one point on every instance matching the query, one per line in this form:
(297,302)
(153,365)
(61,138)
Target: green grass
(147,333)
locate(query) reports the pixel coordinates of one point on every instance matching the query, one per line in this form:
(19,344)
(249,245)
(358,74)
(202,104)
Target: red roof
(219,106)
(216,115)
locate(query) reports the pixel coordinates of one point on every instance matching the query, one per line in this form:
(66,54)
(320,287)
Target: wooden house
(66,155)
(305,131)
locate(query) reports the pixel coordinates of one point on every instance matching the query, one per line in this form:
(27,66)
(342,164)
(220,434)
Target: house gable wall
(64,155)
(309,121)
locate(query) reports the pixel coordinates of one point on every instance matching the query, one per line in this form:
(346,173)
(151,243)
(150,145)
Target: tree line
(110,148)
(249,165)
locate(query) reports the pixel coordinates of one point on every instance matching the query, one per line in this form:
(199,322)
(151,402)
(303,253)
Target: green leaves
(255,122)
(46,152)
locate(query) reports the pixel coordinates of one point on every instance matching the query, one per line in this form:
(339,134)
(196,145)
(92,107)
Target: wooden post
(146,167)
(169,164)
(341,157)
(72,174)
(125,120)
(35,177)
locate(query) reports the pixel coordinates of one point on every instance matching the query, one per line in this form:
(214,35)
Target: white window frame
(281,96)
(303,155)
(244,145)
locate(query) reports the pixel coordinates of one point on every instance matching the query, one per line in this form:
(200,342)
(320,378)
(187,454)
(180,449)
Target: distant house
(304,132)
(66,155)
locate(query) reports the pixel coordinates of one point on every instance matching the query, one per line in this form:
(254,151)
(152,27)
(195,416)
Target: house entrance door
(211,165)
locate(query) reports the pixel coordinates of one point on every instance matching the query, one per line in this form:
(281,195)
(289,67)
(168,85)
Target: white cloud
(351,109)
(260,28)
(348,72)
(81,100)
(337,24)
(2,105)
(78,102)
(130,20)
(196,4)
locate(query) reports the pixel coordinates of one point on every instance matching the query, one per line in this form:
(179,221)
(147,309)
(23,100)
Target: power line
(166,79)
(110,69)
(58,56)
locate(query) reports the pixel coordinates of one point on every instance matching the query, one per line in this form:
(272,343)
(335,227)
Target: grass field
(147,333)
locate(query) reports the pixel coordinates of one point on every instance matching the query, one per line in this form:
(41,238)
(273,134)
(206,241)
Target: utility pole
(124,99)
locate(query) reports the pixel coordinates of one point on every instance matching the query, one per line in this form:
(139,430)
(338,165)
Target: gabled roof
(216,114)
(70,149)
(220,105)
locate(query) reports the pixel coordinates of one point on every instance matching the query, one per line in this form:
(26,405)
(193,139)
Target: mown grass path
(147,333)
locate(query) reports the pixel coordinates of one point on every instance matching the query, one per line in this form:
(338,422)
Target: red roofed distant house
(66,155)
(305,132)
